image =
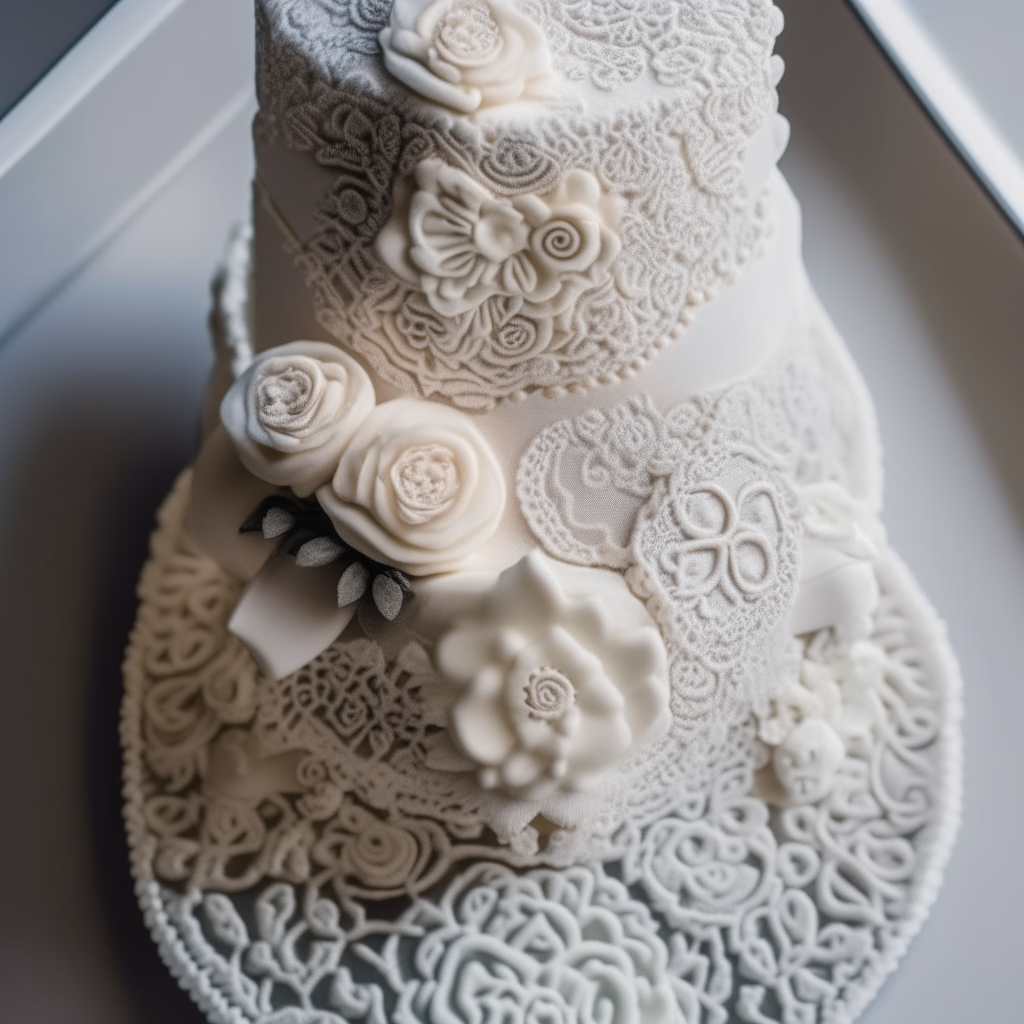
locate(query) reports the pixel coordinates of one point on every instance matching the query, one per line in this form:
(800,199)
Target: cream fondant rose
(418,488)
(562,673)
(460,245)
(293,411)
(465,54)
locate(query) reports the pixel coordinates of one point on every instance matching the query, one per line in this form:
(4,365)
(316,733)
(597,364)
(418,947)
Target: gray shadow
(80,502)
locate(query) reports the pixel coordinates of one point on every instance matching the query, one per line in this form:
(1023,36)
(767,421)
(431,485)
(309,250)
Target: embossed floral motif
(544,948)
(561,673)
(465,54)
(293,411)
(829,707)
(612,42)
(699,517)
(723,552)
(629,446)
(460,245)
(517,163)
(418,488)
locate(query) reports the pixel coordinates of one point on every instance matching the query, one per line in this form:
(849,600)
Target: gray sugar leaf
(353,583)
(277,522)
(318,551)
(387,596)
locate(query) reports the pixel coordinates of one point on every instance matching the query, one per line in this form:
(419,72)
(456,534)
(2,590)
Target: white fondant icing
(837,582)
(293,410)
(845,596)
(224,494)
(418,488)
(465,54)
(288,614)
(338,789)
(555,688)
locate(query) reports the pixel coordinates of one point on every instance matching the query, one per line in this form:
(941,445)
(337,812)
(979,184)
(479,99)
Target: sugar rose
(562,673)
(294,410)
(418,488)
(465,54)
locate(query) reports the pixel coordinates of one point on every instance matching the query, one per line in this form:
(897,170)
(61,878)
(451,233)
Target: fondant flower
(418,488)
(561,673)
(465,54)
(568,947)
(807,760)
(460,245)
(293,411)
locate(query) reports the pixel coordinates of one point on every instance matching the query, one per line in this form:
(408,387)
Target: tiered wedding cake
(524,645)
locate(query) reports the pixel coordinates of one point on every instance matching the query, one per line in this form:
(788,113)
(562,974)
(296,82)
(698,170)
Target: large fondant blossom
(460,245)
(561,673)
(544,948)
(294,410)
(418,488)
(465,54)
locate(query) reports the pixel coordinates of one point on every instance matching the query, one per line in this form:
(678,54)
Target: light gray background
(981,40)
(99,395)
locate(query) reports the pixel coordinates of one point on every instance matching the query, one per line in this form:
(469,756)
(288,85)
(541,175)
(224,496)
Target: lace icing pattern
(704,524)
(615,43)
(675,164)
(287,908)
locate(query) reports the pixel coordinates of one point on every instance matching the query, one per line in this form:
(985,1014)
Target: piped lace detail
(695,505)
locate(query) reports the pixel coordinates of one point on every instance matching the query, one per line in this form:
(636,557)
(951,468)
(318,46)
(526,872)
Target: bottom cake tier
(277,895)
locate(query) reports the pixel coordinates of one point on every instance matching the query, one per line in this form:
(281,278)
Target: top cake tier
(489,198)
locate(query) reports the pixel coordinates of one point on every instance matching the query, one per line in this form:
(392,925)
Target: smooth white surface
(100,393)
(107,128)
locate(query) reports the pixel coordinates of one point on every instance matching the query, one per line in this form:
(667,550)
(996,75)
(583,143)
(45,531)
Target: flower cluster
(409,484)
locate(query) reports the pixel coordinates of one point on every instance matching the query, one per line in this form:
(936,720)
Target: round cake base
(736,908)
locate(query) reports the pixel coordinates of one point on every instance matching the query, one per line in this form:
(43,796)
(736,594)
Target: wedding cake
(524,644)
